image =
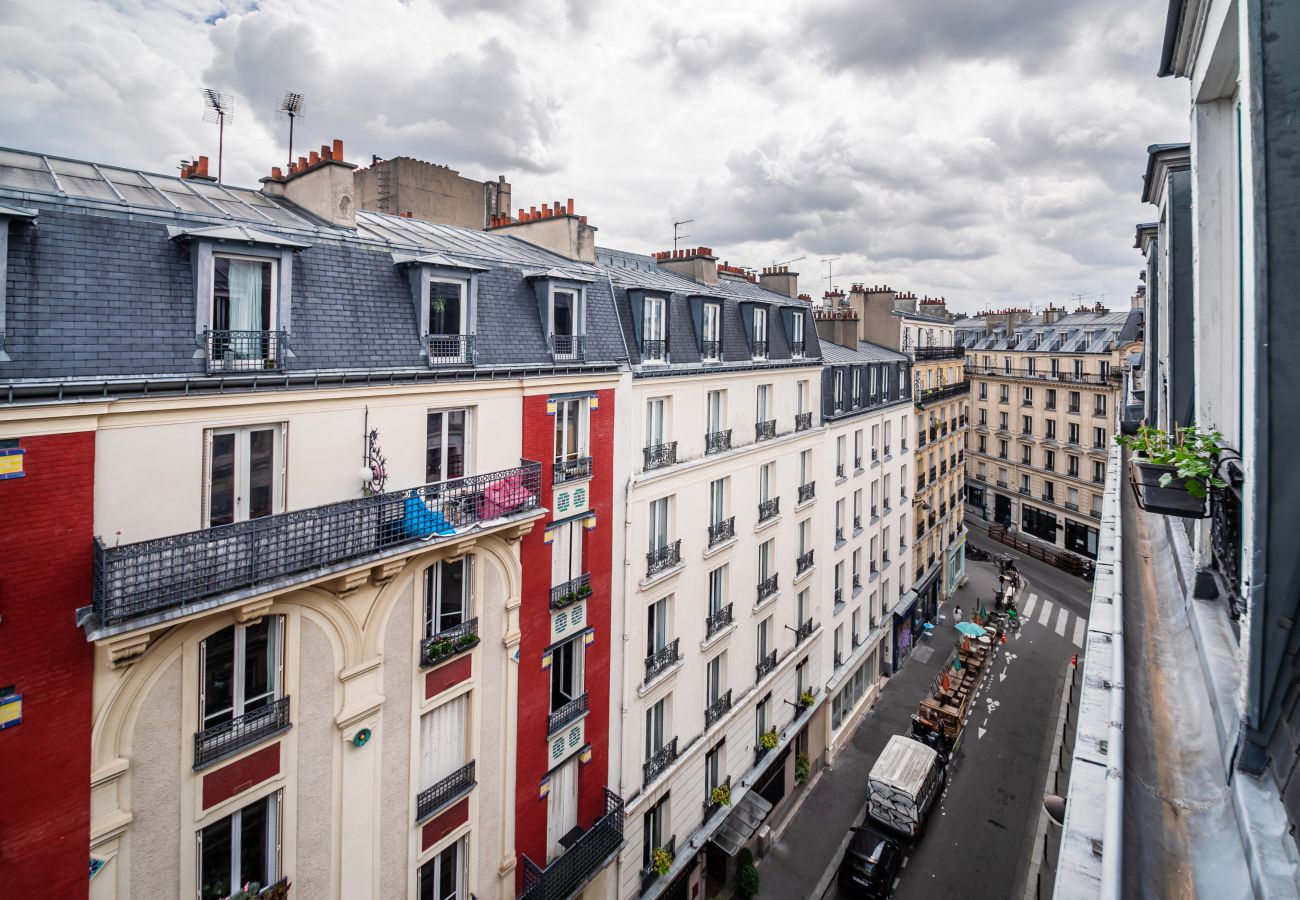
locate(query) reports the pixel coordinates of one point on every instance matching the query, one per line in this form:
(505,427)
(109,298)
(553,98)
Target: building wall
(45,532)
(405,186)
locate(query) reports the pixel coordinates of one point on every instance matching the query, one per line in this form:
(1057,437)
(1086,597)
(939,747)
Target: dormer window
(242,334)
(448,341)
(796,335)
(711,344)
(654,330)
(562,307)
(760,333)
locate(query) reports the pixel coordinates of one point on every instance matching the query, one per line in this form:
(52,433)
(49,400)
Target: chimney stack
(320,184)
(695,263)
(556,227)
(780,280)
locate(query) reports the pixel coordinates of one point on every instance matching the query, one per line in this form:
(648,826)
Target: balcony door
(241,669)
(446,445)
(570,433)
(714,414)
(658,524)
(566,672)
(448,599)
(566,553)
(561,807)
(447,308)
(245,473)
(243,298)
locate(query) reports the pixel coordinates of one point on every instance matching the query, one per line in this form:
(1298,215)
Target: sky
(987,151)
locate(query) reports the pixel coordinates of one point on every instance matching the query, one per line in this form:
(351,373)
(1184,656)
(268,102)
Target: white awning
(742,823)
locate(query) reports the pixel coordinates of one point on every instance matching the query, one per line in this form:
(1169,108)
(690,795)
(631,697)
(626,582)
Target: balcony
(886,452)
(807,491)
(654,350)
(1000,483)
(767,587)
(711,351)
(717,441)
(449,349)
(920,439)
(1071,506)
(942,393)
(449,642)
(165,575)
(445,792)
(857,463)
(657,456)
(769,509)
(720,532)
(245,351)
(220,741)
(661,558)
(1023,374)
(573,590)
(571,469)
(567,714)
(804,631)
(653,767)
(759,349)
(765,431)
(920,483)
(839,471)
(803,563)
(659,661)
(716,621)
(765,666)
(567,347)
(1024,489)
(921,353)
(802,421)
(717,709)
(594,849)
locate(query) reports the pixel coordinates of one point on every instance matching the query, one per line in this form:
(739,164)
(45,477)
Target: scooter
(975,553)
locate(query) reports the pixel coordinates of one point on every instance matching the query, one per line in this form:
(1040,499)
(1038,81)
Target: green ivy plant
(802,766)
(1192,453)
(661,861)
(768,739)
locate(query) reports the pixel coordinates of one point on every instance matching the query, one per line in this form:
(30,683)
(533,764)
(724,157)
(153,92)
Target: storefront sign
(11,463)
(11,711)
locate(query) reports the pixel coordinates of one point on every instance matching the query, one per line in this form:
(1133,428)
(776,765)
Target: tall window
(243,292)
(760,333)
(1099,472)
(1027,398)
(1051,398)
(242,847)
(763,716)
(1056,368)
(448,600)
(654,825)
(445,876)
(763,403)
(841,448)
(652,318)
(1073,432)
(839,389)
(1099,404)
(1002,422)
(447,445)
(763,638)
(766,551)
(241,671)
(712,327)
(797,334)
(857,386)
(658,524)
(567,683)
(713,413)
(447,308)
(443,739)
(1099,437)
(656,413)
(566,552)
(801,396)
(716,586)
(857,448)
(714,678)
(717,501)
(983,390)
(714,767)
(805,466)
(244,474)
(656,626)
(1074,401)
(1050,425)
(1003,393)
(656,721)
(564,312)
(765,482)
(1073,466)
(570,430)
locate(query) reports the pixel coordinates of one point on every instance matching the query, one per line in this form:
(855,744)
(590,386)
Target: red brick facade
(535,632)
(46,525)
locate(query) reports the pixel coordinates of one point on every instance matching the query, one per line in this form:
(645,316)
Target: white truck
(904,784)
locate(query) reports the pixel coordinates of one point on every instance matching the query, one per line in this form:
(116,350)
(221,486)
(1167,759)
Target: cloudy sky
(989,151)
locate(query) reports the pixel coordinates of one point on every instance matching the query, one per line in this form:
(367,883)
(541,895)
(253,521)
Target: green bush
(802,766)
(747,883)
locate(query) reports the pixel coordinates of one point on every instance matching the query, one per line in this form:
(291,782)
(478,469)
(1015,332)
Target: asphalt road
(978,841)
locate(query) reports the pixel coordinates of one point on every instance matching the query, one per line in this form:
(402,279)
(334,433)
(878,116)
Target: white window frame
(760,332)
(274,838)
(446,412)
(656,421)
(239,702)
(658,523)
(274,312)
(460,285)
(243,471)
(432,611)
(566,410)
(435,863)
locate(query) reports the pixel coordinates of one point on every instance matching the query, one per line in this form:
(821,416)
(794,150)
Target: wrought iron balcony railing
(767,509)
(796,348)
(839,591)
(711,351)
(717,709)
(760,349)
(717,441)
(1225,537)
(571,591)
(449,642)
(722,531)
(938,353)
(839,471)
(807,491)
(943,393)
(450,349)
(767,587)
(582,861)
(765,431)
(765,666)
(245,351)
(802,421)
(664,557)
(653,767)
(804,563)
(659,661)
(857,522)
(1022,373)
(716,621)
(568,713)
(839,535)
(659,455)
(654,350)
(220,741)
(568,347)
(148,577)
(839,656)
(804,631)
(451,788)
(857,463)
(571,469)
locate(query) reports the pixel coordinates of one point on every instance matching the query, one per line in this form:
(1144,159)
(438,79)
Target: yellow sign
(11,710)
(11,463)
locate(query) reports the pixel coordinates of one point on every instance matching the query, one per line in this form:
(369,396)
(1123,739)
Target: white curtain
(246,295)
(442,741)
(561,807)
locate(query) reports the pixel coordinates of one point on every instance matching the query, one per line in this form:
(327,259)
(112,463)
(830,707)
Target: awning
(742,823)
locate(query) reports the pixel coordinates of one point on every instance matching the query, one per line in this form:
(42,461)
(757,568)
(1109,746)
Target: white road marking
(1061,621)
(1029,605)
(982,730)
(1045,613)
(896,881)
(1002,676)
(1079,627)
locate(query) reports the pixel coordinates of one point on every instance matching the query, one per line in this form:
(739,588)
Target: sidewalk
(802,864)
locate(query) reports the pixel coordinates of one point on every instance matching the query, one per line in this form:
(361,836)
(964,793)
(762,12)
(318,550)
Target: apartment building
(310,599)
(1045,408)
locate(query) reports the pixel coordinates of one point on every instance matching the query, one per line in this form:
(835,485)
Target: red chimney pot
(338,150)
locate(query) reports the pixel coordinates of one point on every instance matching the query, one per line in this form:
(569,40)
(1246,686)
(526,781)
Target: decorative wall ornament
(374,470)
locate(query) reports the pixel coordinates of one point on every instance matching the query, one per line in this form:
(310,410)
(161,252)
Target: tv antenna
(789,261)
(219,108)
(292,105)
(830,268)
(676,236)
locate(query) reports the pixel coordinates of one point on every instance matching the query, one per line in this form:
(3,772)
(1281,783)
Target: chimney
(197,170)
(935,306)
(780,280)
(321,184)
(556,227)
(697,263)
(1051,314)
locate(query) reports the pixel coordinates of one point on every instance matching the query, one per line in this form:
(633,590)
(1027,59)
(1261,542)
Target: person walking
(956,614)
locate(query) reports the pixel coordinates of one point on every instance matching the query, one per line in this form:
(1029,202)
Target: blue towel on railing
(419,521)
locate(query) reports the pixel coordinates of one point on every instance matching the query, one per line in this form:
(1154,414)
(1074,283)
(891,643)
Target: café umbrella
(970,629)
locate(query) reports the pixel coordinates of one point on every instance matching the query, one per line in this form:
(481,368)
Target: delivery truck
(904,784)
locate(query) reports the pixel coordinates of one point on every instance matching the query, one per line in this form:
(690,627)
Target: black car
(870,865)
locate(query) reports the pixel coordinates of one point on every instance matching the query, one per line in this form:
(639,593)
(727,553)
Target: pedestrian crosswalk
(1045,610)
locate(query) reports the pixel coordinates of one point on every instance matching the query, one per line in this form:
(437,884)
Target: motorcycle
(975,553)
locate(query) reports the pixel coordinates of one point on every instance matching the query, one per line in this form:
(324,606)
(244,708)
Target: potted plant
(747,882)
(802,766)
(806,699)
(768,739)
(721,795)
(661,861)
(584,591)
(1172,474)
(567,598)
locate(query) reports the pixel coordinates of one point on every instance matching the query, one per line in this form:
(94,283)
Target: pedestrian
(956,614)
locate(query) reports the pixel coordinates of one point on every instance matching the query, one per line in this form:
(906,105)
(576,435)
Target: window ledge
(769,522)
(838,608)
(766,602)
(718,635)
(858,471)
(719,547)
(840,543)
(667,676)
(857,591)
(800,507)
(806,573)
(858,531)
(840,479)
(657,577)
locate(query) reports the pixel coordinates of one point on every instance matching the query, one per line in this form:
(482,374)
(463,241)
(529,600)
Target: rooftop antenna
(789,261)
(292,106)
(219,108)
(676,236)
(830,268)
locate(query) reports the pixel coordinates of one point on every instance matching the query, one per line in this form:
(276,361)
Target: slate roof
(866,352)
(1068,334)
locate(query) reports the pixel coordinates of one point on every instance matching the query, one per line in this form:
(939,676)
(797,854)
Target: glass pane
(221,498)
(564,313)
(456,443)
(219,677)
(562,676)
(214,861)
(448,869)
(253,834)
(451,594)
(444,308)
(220,293)
(433,448)
(259,664)
(261,473)
(428,879)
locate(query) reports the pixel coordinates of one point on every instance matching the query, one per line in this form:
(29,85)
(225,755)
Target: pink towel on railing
(504,495)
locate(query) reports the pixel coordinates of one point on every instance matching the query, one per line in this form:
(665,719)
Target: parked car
(870,864)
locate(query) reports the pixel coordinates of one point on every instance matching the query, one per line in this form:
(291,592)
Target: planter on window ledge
(1172,475)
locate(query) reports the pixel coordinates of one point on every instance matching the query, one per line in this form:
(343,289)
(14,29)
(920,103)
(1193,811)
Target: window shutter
(283,450)
(636,299)
(206,502)
(428,747)
(560,556)
(468,580)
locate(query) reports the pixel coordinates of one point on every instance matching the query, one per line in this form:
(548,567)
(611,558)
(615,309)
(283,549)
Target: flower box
(1172,499)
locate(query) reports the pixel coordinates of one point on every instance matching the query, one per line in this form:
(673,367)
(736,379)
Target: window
(446,445)
(1056,367)
(714,678)
(1002,449)
(716,587)
(766,552)
(712,331)
(1024,483)
(714,414)
(805,536)
(1072,497)
(1026,456)
(857,386)
(760,333)
(242,847)
(654,825)
(857,626)
(717,501)
(448,599)
(763,403)
(984,416)
(1049,460)
(653,329)
(565,315)
(567,683)
(797,334)
(839,515)
(244,473)
(801,396)
(443,739)
(763,717)
(765,482)
(656,414)
(1051,399)
(1074,402)
(570,429)
(1073,466)
(839,390)
(447,309)
(1103,368)
(240,671)
(857,567)
(656,721)
(1039,523)
(445,876)
(1050,425)
(983,390)
(1006,368)
(566,552)
(841,450)
(1081,538)
(1099,437)
(875,442)
(1027,425)
(1099,472)
(714,767)
(1078,368)
(763,637)
(857,503)
(1073,433)
(658,524)
(243,298)
(1027,398)
(656,626)
(1049,491)
(1099,404)
(1033,365)
(805,466)
(838,645)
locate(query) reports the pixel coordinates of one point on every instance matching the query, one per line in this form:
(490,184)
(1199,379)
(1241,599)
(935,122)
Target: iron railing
(767,587)
(148,577)
(449,642)
(711,351)
(653,767)
(839,655)
(760,349)
(656,663)
(716,621)
(571,591)
(567,347)
(839,470)
(664,557)
(450,349)
(1024,373)
(839,535)
(943,393)
(807,491)
(570,712)
(769,508)
(245,351)
(857,463)
(717,709)
(857,522)
(803,563)
(765,431)
(802,421)
(938,353)
(563,470)
(659,455)
(228,738)
(722,531)
(584,858)
(1225,537)
(804,631)
(654,350)
(796,348)
(451,788)
(717,441)
(765,666)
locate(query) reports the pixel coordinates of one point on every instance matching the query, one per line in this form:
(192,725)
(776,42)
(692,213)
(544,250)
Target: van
(904,784)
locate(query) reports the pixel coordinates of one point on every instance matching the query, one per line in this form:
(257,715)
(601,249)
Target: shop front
(954,565)
(903,640)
